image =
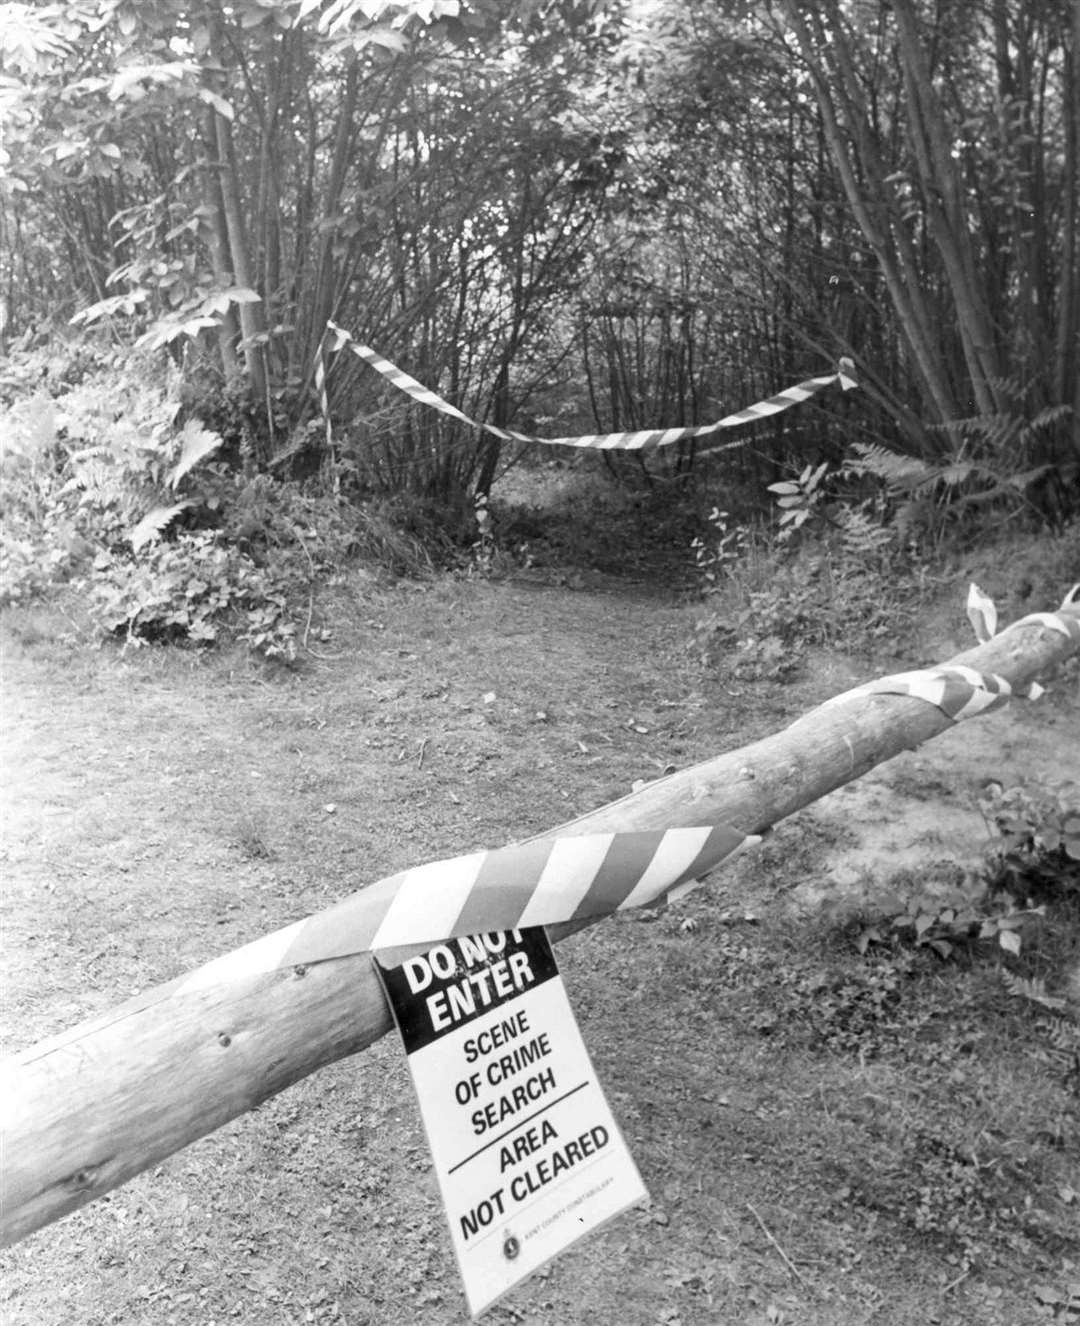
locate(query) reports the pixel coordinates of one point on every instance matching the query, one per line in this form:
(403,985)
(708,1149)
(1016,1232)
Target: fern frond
(954,475)
(1063,1034)
(197,443)
(1007,428)
(973,426)
(1010,386)
(1049,417)
(863,537)
(1033,989)
(152,524)
(899,473)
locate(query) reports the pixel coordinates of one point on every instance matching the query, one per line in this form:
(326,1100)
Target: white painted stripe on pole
(1063,625)
(254,959)
(566,878)
(674,855)
(959,691)
(429,899)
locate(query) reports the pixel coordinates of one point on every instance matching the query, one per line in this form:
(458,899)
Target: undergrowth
(848,560)
(770,597)
(953,1014)
(944,1103)
(166,539)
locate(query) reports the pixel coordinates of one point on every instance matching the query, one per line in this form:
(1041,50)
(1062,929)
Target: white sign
(528,1155)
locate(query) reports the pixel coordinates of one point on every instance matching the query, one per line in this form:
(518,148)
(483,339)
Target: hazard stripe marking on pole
(339,339)
(958,692)
(532,884)
(961,692)
(563,879)
(556,879)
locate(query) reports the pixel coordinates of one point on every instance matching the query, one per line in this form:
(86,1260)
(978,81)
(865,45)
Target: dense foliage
(612,211)
(566,215)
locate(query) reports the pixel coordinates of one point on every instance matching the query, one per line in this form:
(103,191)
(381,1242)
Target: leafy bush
(194,588)
(828,576)
(1039,851)
(39,538)
(1025,901)
(763,618)
(718,557)
(798,499)
(994,465)
(97,457)
(174,544)
(51,370)
(944,925)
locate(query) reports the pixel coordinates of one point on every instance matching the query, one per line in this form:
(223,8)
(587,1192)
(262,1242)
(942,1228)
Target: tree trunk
(1068,325)
(945,212)
(322,304)
(218,244)
(86,1110)
(252,315)
(836,80)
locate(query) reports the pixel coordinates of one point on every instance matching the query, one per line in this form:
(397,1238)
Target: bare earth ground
(825,1139)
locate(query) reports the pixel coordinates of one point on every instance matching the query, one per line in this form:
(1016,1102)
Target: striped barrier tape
(571,878)
(961,692)
(509,888)
(531,884)
(783,400)
(958,692)
(982,614)
(324,399)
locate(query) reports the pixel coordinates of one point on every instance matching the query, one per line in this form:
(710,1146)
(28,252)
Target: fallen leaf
(1047,1295)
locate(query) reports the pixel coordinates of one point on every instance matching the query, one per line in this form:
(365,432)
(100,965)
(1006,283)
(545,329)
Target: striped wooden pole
(88,1109)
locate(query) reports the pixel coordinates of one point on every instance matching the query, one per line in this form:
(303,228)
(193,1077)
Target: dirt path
(161,808)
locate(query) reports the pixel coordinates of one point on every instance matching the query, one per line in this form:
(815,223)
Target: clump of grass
(250,837)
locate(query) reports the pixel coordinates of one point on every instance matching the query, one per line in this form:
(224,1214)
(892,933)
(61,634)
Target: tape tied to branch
(958,692)
(982,614)
(541,883)
(339,339)
(961,692)
(553,880)
(572,878)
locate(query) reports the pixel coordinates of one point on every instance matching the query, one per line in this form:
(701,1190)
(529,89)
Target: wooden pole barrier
(89,1109)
